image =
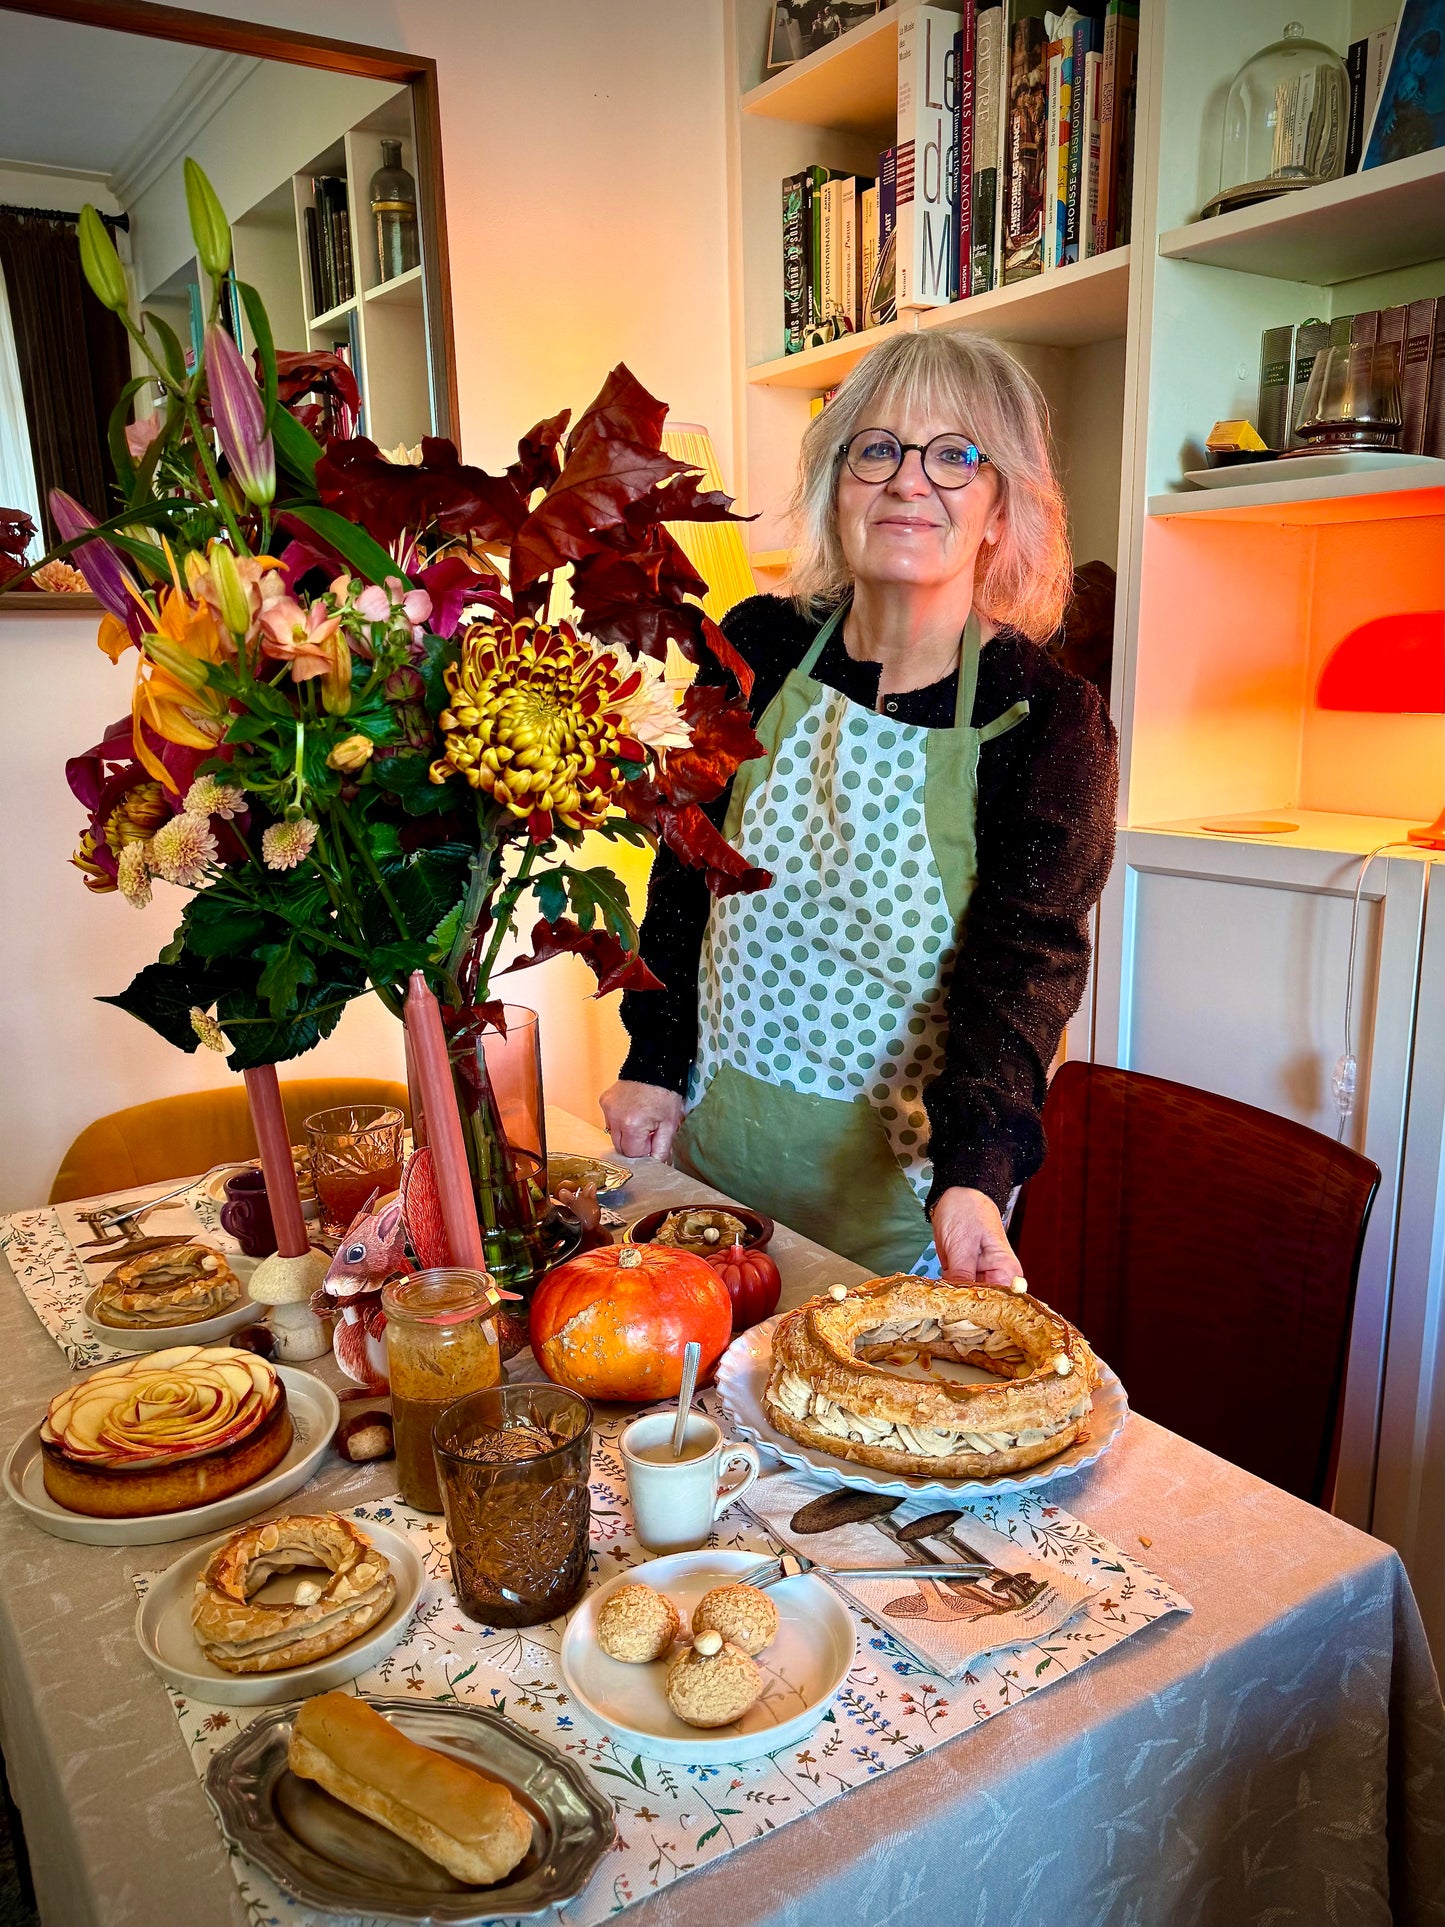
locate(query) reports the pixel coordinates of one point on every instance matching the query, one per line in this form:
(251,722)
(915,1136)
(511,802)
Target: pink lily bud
(240,417)
(104,576)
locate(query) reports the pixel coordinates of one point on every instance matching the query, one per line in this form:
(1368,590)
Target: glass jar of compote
(441,1343)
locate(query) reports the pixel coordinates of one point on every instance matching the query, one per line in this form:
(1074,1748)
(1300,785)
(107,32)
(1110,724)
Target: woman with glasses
(861,1050)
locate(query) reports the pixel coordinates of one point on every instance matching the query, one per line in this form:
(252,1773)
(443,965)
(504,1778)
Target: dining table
(1275,1756)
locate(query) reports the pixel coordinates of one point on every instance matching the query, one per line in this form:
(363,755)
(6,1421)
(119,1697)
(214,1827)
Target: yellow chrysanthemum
(183,850)
(539,721)
(137,816)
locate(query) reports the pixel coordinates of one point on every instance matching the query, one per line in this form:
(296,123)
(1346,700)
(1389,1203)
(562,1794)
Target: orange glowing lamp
(1394,666)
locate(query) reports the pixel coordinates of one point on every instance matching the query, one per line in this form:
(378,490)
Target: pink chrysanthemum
(208,796)
(285,845)
(183,850)
(133,874)
(208,1030)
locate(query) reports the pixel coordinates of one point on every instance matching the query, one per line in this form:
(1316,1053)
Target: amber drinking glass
(514,1466)
(441,1343)
(355,1151)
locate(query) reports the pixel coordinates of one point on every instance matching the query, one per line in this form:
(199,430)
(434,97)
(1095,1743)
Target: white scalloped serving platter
(743,1373)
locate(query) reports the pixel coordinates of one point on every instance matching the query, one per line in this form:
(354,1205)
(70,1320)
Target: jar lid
(444,1295)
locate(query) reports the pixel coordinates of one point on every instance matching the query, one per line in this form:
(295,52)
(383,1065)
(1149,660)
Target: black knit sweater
(1046,793)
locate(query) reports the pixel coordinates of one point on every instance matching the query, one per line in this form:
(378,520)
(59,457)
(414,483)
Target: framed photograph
(1410,113)
(801,27)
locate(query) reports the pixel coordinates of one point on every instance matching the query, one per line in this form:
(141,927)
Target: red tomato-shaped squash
(754,1284)
(612,1323)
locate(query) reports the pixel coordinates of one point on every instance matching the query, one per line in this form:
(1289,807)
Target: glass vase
(498,1080)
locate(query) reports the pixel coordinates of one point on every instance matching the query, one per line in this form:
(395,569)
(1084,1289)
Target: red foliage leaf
(326,375)
(538,464)
(622,411)
(727,655)
(602,476)
(681,500)
(614,967)
(690,836)
(354,478)
(722,738)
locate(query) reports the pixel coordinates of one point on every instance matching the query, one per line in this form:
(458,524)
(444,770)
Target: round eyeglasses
(949,461)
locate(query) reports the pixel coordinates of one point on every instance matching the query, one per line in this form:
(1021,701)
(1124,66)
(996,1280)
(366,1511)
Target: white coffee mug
(675,1502)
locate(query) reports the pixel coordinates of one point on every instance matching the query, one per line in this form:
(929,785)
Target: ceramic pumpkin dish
(612,1323)
(753,1281)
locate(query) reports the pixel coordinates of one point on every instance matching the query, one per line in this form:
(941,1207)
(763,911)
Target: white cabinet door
(1223,964)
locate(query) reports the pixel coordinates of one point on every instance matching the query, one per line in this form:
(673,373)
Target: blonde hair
(1024,579)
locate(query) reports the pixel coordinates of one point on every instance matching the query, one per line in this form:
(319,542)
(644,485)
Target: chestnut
(365,1436)
(254,1338)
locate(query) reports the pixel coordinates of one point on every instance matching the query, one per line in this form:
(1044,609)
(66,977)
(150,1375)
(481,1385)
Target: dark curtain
(74,359)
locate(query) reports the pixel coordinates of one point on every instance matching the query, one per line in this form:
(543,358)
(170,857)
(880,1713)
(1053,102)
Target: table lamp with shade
(1393,666)
(715,549)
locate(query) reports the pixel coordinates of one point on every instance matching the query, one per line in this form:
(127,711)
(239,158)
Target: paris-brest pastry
(243,1634)
(834,1383)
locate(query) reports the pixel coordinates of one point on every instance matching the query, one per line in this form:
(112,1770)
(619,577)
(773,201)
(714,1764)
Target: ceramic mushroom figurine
(287,1286)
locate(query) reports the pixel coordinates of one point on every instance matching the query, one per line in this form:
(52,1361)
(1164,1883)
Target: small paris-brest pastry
(637,1624)
(712,1683)
(744,1616)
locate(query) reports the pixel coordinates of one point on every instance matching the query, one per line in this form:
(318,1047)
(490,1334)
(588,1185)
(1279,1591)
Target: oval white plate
(804,1666)
(315,1414)
(743,1373)
(163,1627)
(156,1338)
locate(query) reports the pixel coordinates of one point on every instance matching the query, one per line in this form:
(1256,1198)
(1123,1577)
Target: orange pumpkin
(612,1323)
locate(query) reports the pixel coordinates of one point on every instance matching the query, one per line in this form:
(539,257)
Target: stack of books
(328,245)
(1014,155)
(1288,355)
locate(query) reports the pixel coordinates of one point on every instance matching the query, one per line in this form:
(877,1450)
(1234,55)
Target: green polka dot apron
(822,1001)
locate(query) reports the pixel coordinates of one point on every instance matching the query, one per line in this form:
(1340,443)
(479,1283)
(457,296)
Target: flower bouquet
(355,738)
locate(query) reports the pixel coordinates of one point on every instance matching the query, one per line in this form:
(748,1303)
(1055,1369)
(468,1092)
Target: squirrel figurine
(368,1257)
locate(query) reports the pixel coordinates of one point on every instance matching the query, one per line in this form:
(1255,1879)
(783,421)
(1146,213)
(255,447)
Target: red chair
(1209,1252)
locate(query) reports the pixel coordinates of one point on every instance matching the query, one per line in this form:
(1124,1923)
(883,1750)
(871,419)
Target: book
(987,93)
(1065,30)
(1276,363)
(951,171)
(964,121)
(1125,116)
(1357,63)
(313,262)
(1415,373)
(796,225)
(1074,158)
(1121,21)
(882,291)
(1089,157)
(855,187)
(1433,440)
(1409,116)
(830,251)
(923,237)
(867,248)
(818,179)
(1311,338)
(1051,149)
(1026,112)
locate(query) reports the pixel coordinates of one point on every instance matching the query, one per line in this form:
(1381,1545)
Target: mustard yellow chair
(171,1137)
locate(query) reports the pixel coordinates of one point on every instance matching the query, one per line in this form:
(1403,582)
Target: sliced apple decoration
(165,1405)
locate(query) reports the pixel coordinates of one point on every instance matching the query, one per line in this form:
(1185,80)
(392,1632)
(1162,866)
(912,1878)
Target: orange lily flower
(177,706)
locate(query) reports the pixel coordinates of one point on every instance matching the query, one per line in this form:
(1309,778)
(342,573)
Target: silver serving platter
(339,1862)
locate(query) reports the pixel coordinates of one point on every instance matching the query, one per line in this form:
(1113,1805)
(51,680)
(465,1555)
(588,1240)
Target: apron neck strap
(967,662)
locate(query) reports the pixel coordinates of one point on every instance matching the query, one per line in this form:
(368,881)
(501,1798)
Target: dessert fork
(789,1565)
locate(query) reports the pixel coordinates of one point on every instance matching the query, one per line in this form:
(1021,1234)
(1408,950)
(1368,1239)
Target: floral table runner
(60,1253)
(673,1819)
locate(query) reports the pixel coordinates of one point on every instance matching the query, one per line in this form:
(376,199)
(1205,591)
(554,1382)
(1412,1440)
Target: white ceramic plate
(743,1373)
(315,1414)
(804,1666)
(163,1627)
(156,1338)
(1305,468)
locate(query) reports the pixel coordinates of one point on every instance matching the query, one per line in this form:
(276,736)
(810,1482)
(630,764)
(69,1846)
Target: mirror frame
(222,35)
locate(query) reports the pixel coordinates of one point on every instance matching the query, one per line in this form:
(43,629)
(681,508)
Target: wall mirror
(326,158)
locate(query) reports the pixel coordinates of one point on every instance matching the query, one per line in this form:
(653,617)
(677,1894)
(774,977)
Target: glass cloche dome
(1284,121)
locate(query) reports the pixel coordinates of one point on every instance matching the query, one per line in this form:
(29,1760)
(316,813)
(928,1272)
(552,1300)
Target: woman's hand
(642,1119)
(973,1246)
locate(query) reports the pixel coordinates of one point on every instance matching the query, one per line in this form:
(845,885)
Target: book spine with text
(988,53)
(1276,359)
(796,225)
(1061,157)
(849,249)
(1433,440)
(925,247)
(1356,65)
(951,172)
(867,248)
(1074,163)
(1108,77)
(967,83)
(1126,95)
(818,179)
(1089,160)
(1055,71)
(1415,374)
(830,279)
(1025,152)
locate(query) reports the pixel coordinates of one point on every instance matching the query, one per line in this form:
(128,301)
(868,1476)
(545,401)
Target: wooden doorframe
(224,35)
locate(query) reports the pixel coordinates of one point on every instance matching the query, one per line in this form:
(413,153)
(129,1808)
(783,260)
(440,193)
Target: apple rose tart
(838,1380)
(164,1431)
(179,1285)
(243,1634)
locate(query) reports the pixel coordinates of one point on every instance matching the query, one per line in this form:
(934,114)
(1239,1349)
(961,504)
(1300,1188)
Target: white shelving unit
(1220,955)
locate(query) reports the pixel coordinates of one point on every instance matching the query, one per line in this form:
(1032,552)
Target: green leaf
(428,885)
(162,995)
(622,829)
(352,544)
(260,323)
(288,968)
(703,1838)
(172,354)
(389,961)
(445,934)
(382,839)
(597,890)
(550,890)
(257,1038)
(407,778)
(215,927)
(120,455)
(297,451)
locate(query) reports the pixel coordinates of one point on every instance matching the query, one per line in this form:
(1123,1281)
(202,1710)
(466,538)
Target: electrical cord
(1346,1071)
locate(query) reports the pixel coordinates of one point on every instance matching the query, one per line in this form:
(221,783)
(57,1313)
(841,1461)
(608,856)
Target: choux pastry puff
(637,1624)
(712,1683)
(745,1617)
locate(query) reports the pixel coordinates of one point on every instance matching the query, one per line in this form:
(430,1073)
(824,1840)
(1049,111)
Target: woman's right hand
(641,1118)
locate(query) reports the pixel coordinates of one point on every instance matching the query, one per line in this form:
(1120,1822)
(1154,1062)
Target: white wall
(585,188)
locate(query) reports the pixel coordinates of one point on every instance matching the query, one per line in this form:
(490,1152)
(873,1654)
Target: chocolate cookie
(845,1508)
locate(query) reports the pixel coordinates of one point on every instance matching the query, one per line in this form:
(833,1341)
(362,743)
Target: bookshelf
(1220,954)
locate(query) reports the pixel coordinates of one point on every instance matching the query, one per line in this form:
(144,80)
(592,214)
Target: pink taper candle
(443,1123)
(264,1092)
